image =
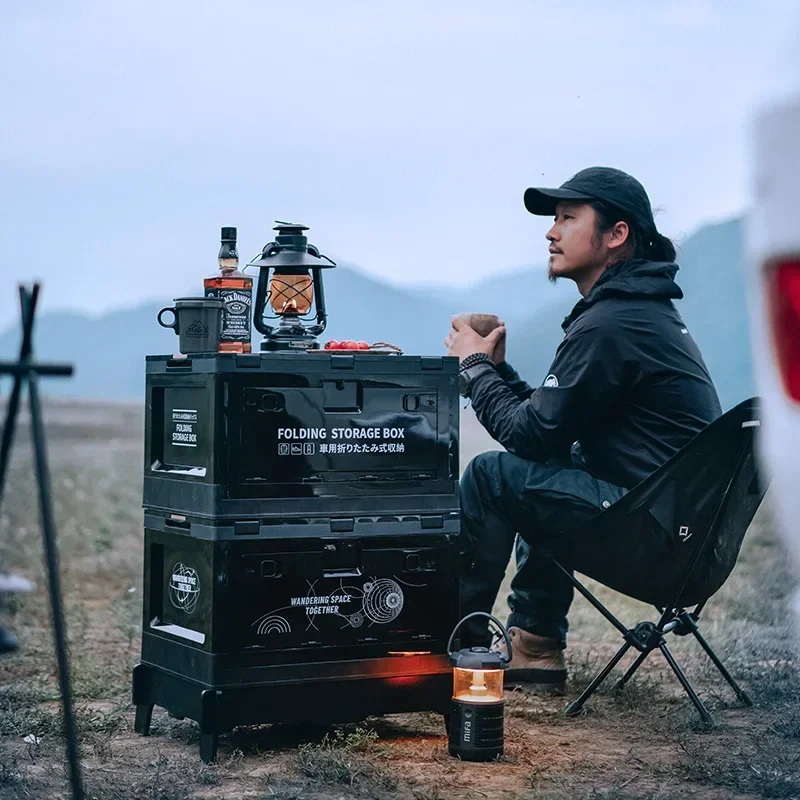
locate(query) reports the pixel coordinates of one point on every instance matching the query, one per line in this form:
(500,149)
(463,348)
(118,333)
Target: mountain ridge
(108,349)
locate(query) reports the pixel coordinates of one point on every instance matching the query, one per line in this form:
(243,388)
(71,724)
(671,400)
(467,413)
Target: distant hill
(514,294)
(108,351)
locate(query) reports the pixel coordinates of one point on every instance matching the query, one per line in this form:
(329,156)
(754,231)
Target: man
(626,390)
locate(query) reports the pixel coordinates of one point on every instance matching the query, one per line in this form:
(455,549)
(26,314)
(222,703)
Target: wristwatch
(472,366)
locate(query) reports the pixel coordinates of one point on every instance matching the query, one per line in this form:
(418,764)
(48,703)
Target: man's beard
(551,276)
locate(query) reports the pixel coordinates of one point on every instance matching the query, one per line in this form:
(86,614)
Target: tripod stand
(25,371)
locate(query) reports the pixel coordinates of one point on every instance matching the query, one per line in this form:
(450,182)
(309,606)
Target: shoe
(537,663)
(8,642)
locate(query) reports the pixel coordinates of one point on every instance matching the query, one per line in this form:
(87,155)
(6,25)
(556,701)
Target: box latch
(246,527)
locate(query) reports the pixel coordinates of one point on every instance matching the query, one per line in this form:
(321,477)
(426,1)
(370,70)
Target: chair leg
(620,684)
(740,693)
(688,688)
(576,705)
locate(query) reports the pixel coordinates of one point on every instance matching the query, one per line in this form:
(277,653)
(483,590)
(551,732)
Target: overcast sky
(403,133)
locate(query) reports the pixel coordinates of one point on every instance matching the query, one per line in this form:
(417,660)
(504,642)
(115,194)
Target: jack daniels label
(236,304)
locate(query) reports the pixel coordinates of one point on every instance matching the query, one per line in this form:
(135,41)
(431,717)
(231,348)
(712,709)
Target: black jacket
(628,382)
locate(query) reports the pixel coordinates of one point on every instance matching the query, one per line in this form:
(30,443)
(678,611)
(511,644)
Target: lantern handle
(493,619)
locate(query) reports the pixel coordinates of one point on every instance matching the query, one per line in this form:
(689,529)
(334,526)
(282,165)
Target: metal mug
(197,321)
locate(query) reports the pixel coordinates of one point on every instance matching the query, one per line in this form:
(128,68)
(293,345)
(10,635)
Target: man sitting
(626,390)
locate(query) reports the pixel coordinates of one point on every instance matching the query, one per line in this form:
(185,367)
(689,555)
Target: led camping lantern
(476,721)
(295,287)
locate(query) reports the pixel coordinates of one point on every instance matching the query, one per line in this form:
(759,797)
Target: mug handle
(173,324)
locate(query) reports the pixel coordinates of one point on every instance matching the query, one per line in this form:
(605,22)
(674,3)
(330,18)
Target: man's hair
(654,247)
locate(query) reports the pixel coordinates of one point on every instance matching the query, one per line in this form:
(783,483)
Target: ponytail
(659,248)
(653,246)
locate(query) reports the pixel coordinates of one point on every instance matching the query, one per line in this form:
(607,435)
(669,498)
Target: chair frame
(648,636)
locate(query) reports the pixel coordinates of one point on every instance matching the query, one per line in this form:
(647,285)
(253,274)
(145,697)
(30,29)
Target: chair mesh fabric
(673,540)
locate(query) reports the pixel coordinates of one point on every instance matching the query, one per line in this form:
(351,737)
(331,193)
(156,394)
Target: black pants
(506,498)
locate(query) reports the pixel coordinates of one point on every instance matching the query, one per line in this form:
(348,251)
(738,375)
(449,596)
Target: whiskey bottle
(235,289)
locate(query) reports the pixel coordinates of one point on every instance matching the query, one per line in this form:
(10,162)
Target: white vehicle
(774,255)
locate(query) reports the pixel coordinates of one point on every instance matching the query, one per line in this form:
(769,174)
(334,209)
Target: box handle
(343,573)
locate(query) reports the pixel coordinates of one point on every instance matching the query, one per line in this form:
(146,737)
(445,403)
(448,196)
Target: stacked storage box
(301,526)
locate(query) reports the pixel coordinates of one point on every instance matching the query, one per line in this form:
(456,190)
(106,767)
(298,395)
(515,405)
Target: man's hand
(463,340)
(499,354)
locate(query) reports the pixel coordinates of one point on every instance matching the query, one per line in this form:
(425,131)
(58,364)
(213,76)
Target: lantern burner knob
(290,235)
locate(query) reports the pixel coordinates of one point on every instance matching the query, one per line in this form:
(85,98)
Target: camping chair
(677,536)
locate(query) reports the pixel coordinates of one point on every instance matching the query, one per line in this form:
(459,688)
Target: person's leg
(540,592)
(489,484)
(502,494)
(496,492)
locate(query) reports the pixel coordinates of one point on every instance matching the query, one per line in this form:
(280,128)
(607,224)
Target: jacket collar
(635,278)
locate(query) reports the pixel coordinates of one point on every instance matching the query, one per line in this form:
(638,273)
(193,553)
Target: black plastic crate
(279,435)
(263,630)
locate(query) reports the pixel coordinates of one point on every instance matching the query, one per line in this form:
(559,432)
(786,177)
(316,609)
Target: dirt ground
(646,743)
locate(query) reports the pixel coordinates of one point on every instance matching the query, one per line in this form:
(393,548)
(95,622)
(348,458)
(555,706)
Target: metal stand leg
(740,693)
(576,705)
(28,307)
(688,688)
(51,554)
(620,684)
(25,370)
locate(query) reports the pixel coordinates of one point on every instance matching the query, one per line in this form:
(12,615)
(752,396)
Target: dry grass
(644,744)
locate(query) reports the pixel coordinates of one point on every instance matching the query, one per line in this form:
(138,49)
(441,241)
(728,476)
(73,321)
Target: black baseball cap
(612,186)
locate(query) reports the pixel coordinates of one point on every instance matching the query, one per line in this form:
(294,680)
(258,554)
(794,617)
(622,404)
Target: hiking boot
(537,663)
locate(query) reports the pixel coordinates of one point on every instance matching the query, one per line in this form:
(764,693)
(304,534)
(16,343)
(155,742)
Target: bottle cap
(228,235)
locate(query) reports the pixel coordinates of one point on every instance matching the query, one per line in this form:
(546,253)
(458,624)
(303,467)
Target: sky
(403,134)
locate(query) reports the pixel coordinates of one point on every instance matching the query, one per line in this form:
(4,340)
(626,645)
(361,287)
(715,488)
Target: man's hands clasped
(463,340)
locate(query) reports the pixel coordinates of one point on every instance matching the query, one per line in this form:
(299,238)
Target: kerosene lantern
(475,729)
(294,289)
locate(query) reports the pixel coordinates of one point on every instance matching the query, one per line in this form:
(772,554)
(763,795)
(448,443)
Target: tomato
(332,345)
(349,344)
(362,345)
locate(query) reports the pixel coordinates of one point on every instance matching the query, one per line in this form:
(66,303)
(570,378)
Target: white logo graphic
(684,532)
(184,588)
(273,623)
(551,381)
(383,600)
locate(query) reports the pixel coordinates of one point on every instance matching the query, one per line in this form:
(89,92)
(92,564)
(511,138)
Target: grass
(342,758)
(645,743)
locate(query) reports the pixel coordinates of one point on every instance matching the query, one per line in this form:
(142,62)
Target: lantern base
(476,730)
(283,343)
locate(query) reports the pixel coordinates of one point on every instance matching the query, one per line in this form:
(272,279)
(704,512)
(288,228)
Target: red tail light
(785,310)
